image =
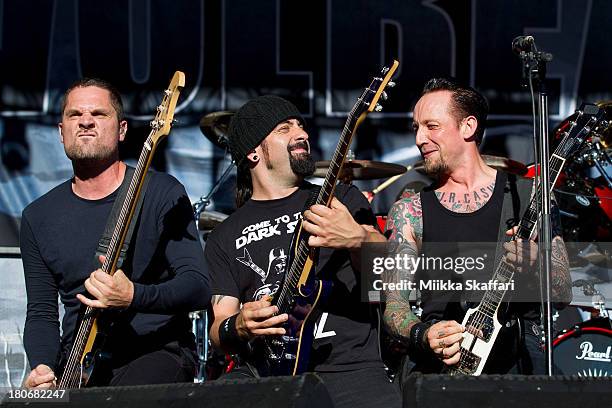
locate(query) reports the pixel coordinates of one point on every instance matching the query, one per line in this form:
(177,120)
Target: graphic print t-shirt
(247,257)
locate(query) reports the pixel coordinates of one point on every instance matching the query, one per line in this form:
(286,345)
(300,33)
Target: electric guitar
(482,323)
(88,346)
(300,292)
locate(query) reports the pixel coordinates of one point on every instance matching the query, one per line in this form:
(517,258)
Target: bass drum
(585,350)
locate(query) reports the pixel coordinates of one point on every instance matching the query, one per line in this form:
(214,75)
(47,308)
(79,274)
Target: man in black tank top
(464,205)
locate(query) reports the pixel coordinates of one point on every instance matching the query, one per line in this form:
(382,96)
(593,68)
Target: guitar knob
(378,108)
(391,84)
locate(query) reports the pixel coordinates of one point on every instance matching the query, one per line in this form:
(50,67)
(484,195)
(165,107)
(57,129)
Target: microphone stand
(534,76)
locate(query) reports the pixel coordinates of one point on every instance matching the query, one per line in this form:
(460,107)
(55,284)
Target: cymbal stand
(199,319)
(200,205)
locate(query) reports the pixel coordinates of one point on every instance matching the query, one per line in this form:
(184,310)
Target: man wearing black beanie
(247,256)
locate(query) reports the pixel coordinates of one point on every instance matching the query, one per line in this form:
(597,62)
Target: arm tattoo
(561,280)
(406,213)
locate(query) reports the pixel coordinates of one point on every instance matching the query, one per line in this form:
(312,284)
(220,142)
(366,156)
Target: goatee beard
(302,164)
(435,168)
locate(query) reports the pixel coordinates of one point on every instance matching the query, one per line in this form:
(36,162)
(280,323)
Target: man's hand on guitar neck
(115,291)
(335,227)
(41,377)
(444,339)
(521,254)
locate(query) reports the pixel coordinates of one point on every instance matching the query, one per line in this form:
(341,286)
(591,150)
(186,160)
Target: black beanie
(255,120)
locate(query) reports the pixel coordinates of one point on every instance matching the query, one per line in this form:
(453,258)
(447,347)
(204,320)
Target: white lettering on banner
(588,354)
(319,329)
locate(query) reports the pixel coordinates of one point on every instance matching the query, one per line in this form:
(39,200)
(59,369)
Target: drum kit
(584,195)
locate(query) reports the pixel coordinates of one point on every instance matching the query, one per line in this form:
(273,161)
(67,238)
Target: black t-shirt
(247,253)
(59,235)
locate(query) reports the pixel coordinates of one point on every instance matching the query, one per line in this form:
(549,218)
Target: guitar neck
(337,162)
(128,207)
(326,193)
(571,142)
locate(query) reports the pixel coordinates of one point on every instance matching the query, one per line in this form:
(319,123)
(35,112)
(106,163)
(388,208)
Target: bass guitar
(88,345)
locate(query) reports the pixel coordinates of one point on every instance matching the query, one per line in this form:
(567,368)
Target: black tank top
(441,225)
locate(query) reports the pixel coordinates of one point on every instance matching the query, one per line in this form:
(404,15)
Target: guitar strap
(111,223)
(517,195)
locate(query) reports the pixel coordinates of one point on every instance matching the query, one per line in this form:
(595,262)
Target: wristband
(229,337)
(417,336)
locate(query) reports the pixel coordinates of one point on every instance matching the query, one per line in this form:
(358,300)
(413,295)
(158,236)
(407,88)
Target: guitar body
(289,354)
(477,343)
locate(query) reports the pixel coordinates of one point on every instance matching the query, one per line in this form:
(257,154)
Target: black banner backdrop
(317,53)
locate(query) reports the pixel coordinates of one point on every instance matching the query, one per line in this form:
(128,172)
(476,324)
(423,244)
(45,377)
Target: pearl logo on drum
(588,354)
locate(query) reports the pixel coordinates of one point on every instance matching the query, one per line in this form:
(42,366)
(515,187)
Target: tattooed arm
(405,225)
(560,276)
(222,308)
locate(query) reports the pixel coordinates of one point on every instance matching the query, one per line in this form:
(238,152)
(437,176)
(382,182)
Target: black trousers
(171,363)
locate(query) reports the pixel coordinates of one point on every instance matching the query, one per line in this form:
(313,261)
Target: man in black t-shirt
(150,340)
(247,255)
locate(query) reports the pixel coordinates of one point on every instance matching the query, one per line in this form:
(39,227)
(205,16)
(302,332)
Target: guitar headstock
(164,117)
(588,118)
(376,90)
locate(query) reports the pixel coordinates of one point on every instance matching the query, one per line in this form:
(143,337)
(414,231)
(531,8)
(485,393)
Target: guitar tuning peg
(378,108)
(384,95)
(385,70)
(391,84)
(167,92)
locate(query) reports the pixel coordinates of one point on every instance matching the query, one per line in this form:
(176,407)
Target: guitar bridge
(467,364)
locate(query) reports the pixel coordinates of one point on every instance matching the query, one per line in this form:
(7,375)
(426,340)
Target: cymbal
(215,126)
(497,162)
(208,220)
(361,169)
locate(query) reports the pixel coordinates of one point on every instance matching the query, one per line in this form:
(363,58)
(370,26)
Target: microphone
(522,43)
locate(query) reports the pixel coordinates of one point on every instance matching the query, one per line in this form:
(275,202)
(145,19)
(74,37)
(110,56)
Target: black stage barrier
(308,391)
(305,391)
(506,391)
